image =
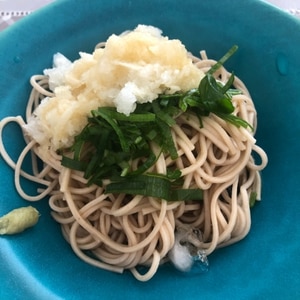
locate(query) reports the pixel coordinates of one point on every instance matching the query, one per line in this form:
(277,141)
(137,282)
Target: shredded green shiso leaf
(111,140)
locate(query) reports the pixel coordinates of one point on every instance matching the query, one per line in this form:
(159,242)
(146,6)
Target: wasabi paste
(18,220)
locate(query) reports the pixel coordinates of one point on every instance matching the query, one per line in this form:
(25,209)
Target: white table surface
(13,10)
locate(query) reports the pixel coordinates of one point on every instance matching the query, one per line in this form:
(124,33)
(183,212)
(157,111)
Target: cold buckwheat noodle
(117,231)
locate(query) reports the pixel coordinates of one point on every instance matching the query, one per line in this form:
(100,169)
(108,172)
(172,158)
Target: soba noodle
(117,231)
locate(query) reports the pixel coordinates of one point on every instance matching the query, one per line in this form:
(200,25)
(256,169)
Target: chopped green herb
(111,140)
(154,186)
(223,59)
(252,200)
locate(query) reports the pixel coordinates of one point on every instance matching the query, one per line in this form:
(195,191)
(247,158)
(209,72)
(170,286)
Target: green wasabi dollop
(18,220)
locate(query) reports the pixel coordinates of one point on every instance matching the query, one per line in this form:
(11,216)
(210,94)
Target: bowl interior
(264,263)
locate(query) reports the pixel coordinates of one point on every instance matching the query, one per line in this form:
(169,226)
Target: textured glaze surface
(39,264)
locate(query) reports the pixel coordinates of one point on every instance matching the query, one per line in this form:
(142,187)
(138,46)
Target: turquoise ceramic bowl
(39,264)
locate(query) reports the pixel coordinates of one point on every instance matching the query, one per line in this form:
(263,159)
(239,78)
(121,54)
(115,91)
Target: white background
(22,5)
(29,5)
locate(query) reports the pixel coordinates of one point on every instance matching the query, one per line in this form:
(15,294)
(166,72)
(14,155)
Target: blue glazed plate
(39,264)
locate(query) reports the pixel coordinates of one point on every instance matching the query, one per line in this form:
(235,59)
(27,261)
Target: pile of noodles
(117,232)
